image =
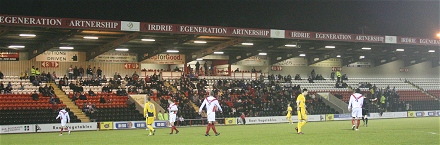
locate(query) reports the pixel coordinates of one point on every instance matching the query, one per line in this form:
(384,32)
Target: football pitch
(411,131)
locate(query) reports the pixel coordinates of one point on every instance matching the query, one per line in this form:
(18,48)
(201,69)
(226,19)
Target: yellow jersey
(149,110)
(289,110)
(302,101)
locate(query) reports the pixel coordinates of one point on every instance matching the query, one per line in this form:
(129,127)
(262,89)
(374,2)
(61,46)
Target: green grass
(411,131)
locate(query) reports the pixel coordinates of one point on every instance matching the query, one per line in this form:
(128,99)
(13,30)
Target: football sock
(151,128)
(358,123)
(213,128)
(208,128)
(366,120)
(172,129)
(299,126)
(175,129)
(61,132)
(352,121)
(363,119)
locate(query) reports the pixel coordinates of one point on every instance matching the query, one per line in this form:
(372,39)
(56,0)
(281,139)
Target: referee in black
(365,111)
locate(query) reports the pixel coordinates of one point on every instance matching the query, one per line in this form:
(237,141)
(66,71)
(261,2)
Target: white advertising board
(116,57)
(254,61)
(72,126)
(297,61)
(278,119)
(24,128)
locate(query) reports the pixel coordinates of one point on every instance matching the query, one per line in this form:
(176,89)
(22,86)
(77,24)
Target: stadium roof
(148,39)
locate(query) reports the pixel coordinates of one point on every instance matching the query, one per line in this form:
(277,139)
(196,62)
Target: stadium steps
(63,97)
(421,89)
(196,108)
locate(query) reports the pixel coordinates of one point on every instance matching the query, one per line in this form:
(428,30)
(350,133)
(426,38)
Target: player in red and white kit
(172,109)
(355,104)
(63,115)
(212,106)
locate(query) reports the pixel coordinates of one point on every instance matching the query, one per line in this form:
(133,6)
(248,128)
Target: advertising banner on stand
(25,128)
(54,127)
(60,56)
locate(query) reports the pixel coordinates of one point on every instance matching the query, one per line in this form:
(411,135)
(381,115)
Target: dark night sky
(418,18)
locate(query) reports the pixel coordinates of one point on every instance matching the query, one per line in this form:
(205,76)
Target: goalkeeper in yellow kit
(302,112)
(289,113)
(150,115)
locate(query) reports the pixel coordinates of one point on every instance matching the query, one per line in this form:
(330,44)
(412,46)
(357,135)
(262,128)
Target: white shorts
(173,117)
(211,116)
(356,112)
(63,122)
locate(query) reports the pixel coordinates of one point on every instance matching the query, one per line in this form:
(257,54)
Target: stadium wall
(13,68)
(389,70)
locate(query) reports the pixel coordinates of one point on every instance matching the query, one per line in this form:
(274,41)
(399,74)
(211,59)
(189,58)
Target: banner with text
(54,127)
(254,61)
(279,119)
(52,22)
(332,62)
(25,128)
(297,61)
(115,57)
(360,64)
(9,55)
(166,59)
(60,56)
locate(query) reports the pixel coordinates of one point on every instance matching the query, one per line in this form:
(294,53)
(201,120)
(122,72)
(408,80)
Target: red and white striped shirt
(63,114)
(356,101)
(211,104)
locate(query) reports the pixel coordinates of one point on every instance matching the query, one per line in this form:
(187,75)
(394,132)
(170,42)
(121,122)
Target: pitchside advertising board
(271,119)
(25,128)
(138,124)
(423,113)
(60,56)
(72,126)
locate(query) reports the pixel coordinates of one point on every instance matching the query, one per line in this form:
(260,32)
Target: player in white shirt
(355,105)
(63,115)
(172,109)
(212,106)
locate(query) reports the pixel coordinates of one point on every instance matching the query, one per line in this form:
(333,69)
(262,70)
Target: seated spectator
(344,77)
(91,93)
(21,86)
(35,82)
(84,107)
(105,89)
(22,76)
(102,99)
(90,107)
(35,96)
(1,75)
(82,96)
(75,96)
(237,70)
(2,87)
(8,90)
(54,76)
(310,79)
